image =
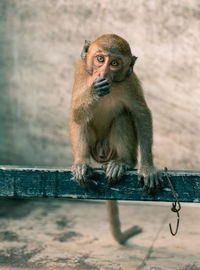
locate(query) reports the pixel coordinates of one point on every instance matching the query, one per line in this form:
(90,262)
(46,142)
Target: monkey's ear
(134,58)
(85,49)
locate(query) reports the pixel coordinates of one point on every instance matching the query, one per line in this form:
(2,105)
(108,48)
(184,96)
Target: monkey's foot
(115,170)
(82,172)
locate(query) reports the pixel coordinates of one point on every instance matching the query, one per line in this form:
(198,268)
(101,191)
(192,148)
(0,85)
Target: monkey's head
(109,56)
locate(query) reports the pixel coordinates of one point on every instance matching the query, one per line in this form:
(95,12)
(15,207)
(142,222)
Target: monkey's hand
(100,87)
(82,172)
(150,178)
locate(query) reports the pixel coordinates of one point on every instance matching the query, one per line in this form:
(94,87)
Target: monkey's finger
(109,167)
(102,83)
(109,172)
(161,182)
(83,169)
(87,174)
(157,181)
(116,172)
(74,171)
(146,183)
(103,89)
(83,181)
(80,180)
(80,173)
(151,184)
(100,79)
(120,171)
(104,166)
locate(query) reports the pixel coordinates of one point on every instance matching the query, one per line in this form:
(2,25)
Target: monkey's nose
(104,72)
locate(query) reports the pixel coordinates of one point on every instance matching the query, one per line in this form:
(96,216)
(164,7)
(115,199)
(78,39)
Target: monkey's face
(109,56)
(108,64)
(102,63)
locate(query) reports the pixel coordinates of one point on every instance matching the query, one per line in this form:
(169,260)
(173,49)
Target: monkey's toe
(114,171)
(149,185)
(82,173)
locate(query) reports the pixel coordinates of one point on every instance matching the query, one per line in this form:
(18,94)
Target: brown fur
(108,127)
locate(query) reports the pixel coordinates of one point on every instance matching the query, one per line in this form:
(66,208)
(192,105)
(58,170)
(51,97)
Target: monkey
(110,122)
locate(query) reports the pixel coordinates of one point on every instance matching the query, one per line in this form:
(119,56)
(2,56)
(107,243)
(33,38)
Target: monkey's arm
(87,91)
(149,176)
(143,122)
(82,101)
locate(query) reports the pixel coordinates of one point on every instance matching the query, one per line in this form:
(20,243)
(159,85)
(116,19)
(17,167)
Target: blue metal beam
(59,183)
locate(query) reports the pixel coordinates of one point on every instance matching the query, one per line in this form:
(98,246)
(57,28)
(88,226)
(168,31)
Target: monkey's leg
(81,137)
(115,226)
(123,139)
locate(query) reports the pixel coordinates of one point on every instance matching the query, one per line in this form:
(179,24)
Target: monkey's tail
(115,226)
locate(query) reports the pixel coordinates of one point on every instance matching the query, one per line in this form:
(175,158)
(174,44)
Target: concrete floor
(67,234)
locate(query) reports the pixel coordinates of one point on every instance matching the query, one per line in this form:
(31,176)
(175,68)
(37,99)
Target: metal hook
(174,206)
(174,209)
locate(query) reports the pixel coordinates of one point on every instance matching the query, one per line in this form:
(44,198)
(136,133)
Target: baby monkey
(110,120)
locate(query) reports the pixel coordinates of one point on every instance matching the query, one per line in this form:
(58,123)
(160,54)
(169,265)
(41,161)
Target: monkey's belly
(102,152)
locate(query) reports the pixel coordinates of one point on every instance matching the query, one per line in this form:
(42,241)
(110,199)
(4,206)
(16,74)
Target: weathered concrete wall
(41,40)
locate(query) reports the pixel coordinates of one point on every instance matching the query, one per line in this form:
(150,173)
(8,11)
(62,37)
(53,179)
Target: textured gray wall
(40,41)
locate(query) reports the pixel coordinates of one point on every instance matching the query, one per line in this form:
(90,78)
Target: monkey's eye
(114,63)
(100,58)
